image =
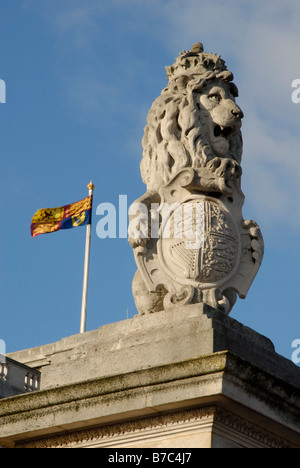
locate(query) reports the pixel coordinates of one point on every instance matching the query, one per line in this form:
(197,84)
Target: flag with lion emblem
(48,220)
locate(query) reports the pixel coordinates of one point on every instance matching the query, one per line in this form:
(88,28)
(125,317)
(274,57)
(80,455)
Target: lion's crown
(198,62)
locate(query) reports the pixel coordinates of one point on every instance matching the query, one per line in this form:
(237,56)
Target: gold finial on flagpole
(91,186)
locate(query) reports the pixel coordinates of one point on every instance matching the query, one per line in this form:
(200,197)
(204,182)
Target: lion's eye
(214,97)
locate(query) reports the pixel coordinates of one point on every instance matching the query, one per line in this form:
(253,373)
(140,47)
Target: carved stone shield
(199,243)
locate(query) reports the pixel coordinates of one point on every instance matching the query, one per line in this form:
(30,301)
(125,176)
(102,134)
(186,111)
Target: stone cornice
(138,430)
(137,395)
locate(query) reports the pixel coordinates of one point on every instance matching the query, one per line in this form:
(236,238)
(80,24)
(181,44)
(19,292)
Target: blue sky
(80,78)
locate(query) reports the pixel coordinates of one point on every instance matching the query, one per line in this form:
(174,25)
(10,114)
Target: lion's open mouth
(225,132)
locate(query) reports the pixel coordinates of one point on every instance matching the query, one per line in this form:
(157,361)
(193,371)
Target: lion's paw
(225,168)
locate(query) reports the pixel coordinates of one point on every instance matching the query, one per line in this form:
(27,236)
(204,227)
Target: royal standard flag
(49,220)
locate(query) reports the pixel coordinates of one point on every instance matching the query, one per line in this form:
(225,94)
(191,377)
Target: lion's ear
(225,75)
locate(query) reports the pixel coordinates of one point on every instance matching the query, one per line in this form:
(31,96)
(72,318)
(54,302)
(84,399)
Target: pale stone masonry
(189,377)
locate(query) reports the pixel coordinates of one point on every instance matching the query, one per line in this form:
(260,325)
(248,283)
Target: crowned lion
(195,122)
(193,129)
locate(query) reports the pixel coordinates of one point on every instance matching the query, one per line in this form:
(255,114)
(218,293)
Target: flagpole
(86,268)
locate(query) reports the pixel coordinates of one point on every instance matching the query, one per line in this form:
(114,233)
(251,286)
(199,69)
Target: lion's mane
(173,138)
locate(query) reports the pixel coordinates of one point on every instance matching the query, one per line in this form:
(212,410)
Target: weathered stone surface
(182,333)
(251,408)
(190,240)
(101,387)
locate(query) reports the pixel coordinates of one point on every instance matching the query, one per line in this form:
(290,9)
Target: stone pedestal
(189,377)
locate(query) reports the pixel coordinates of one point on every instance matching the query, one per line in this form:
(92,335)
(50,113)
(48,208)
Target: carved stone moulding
(229,429)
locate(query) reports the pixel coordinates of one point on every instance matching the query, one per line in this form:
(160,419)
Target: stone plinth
(189,377)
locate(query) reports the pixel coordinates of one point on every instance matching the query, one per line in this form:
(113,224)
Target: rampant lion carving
(192,150)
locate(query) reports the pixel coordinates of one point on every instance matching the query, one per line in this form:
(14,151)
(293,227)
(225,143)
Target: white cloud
(271,174)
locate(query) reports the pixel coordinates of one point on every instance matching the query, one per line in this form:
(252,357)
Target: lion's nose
(238,113)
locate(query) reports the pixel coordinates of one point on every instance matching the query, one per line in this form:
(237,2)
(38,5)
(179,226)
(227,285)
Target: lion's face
(220,115)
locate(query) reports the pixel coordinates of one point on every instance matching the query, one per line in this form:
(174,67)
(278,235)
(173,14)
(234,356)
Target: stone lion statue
(195,122)
(192,150)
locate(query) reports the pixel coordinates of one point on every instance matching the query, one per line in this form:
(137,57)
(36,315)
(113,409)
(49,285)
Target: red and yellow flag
(48,220)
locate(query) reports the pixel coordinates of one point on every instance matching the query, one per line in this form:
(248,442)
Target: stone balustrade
(17,378)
